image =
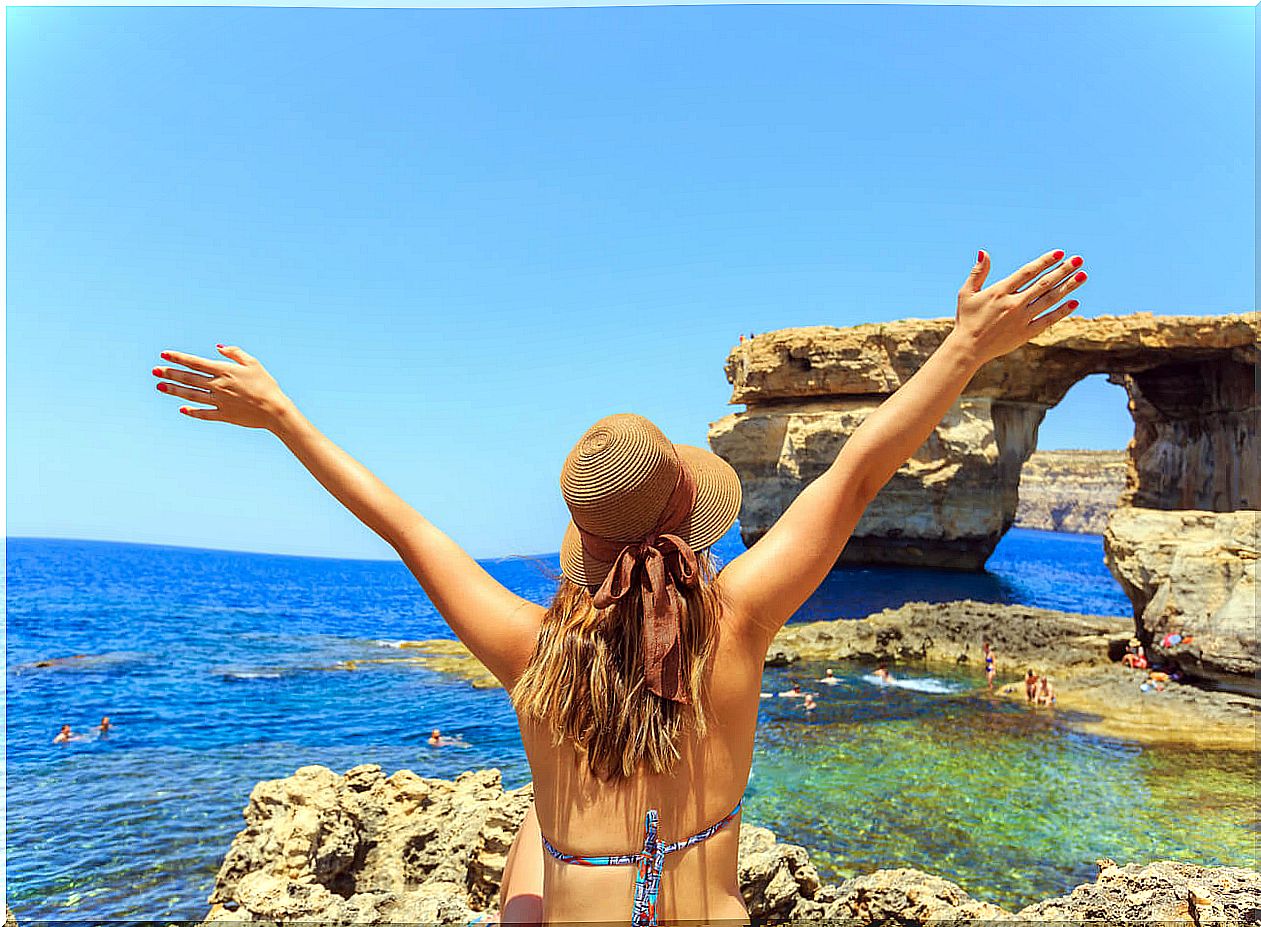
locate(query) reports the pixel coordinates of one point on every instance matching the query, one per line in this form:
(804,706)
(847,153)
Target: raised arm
(766,584)
(497,625)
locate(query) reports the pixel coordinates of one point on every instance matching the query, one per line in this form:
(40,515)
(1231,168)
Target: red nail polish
(184,410)
(165,356)
(1073,304)
(162,387)
(218,345)
(1058,255)
(980,257)
(1076,262)
(1080,277)
(157,371)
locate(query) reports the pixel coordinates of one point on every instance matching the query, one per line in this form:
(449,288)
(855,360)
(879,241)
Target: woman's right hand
(999,318)
(239,390)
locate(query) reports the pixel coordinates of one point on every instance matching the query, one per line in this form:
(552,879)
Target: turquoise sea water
(220,669)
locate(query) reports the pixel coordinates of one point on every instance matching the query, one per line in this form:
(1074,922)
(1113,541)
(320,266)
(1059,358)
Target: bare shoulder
(743,632)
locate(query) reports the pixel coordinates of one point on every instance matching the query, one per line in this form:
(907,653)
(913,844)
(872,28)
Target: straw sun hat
(618,481)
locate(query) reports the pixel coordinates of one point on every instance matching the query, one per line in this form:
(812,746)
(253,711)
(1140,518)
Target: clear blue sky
(458,237)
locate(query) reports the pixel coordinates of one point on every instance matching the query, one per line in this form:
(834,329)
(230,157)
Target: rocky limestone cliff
(367,848)
(1196,446)
(1191,394)
(1193,574)
(1070,490)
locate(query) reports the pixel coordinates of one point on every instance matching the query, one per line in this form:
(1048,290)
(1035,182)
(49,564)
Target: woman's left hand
(239,390)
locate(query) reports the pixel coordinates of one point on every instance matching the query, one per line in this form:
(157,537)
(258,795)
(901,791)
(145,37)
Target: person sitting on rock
(1137,659)
(636,687)
(1046,692)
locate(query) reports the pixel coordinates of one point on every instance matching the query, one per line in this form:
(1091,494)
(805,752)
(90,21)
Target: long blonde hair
(585,680)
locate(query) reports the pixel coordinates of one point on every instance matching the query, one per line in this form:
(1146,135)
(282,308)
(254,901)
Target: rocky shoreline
(1095,693)
(369,848)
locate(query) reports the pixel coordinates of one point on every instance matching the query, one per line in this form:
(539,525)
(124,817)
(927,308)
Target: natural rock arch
(1191,395)
(1195,452)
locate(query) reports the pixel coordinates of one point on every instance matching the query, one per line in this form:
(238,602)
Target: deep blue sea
(219,669)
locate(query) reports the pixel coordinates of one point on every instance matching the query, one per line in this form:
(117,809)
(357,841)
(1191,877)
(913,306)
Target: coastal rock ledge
(366,848)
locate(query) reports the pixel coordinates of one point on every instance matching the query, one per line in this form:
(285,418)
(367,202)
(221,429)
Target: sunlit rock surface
(1070,490)
(1193,574)
(368,848)
(1191,395)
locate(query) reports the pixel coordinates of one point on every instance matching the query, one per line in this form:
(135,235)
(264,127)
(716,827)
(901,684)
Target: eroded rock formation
(1196,444)
(1192,574)
(1191,393)
(1072,491)
(370,849)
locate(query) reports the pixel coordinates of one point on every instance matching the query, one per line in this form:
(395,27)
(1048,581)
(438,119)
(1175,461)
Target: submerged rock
(365,848)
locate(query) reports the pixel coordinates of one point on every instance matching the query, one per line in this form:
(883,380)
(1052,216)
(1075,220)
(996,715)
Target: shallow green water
(1002,799)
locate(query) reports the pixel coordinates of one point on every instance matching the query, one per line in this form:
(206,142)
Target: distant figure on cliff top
(636,688)
(829,678)
(990,672)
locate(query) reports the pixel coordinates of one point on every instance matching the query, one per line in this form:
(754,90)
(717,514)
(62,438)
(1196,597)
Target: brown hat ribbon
(658,564)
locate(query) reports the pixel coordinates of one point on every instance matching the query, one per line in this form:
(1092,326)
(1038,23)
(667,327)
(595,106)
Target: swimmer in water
(829,679)
(64,735)
(437,740)
(794,692)
(882,673)
(809,703)
(104,727)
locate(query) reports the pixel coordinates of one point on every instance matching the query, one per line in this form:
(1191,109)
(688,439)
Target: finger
(237,354)
(1042,323)
(196,363)
(208,415)
(1054,294)
(1043,289)
(196,395)
(1031,270)
(182,376)
(980,270)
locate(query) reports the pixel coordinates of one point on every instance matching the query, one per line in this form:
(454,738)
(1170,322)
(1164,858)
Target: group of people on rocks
(1039,689)
(1135,657)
